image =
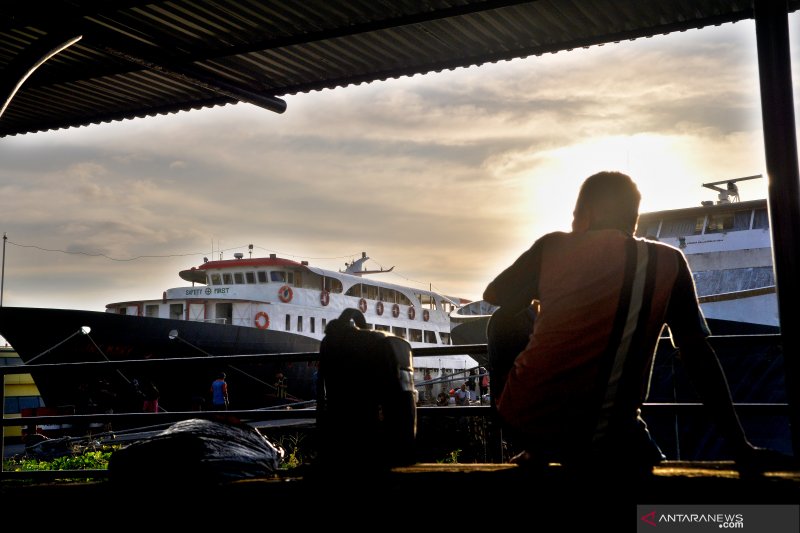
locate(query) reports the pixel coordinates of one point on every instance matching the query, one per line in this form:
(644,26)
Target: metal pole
(3,272)
(780,147)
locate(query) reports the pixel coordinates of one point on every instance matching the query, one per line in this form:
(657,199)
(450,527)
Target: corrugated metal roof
(137,58)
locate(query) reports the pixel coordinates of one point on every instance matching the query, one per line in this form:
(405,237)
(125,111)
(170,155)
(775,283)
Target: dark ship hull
(44,336)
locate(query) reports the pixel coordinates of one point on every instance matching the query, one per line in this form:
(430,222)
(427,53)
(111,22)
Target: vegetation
(293,453)
(88,460)
(452,457)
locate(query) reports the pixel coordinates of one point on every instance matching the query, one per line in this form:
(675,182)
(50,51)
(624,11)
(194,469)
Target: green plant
(452,457)
(293,456)
(87,460)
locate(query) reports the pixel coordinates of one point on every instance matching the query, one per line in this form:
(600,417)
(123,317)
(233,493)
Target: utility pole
(3,272)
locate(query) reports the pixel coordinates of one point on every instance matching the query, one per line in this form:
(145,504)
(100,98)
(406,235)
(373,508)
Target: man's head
(607,200)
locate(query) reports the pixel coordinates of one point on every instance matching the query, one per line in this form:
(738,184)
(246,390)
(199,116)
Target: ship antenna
(731,191)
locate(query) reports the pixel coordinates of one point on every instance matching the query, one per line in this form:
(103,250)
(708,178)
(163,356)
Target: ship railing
(672,410)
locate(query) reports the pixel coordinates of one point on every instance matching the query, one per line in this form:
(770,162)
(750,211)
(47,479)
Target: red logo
(650,518)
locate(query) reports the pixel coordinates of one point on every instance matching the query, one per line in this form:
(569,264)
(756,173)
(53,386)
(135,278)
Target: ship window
(445,338)
(216,279)
(719,222)
(400,332)
(15,404)
(682,226)
(176,311)
(760,219)
(299,323)
(151,310)
(250,277)
(262,276)
(648,230)
(333,285)
(447,306)
(277,276)
(122,311)
(355,290)
(387,295)
(430,337)
(741,220)
(288,322)
(10,361)
(381,327)
(311,280)
(324,324)
(238,278)
(415,335)
(227,279)
(369,292)
(426,301)
(403,299)
(311,325)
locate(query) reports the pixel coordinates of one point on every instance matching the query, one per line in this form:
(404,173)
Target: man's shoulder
(661,246)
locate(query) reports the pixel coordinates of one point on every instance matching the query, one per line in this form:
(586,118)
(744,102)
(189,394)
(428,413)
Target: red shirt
(604,298)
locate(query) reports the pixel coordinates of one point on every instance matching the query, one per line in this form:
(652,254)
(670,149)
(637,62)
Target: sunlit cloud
(448,177)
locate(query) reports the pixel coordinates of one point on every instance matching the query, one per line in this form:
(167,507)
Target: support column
(780,146)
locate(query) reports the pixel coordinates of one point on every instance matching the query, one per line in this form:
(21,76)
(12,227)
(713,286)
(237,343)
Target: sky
(447,177)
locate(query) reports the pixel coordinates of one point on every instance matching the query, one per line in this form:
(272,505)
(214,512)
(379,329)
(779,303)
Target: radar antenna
(730,193)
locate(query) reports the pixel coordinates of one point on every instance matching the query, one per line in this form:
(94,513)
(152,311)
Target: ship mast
(356,268)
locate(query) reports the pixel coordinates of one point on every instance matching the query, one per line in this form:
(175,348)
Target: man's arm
(516,286)
(690,333)
(708,379)
(711,385)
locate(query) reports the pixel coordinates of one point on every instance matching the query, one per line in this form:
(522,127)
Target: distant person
(595,301)
(442,399)
(280,385)
(471,385)
(219,393)
(428,386)
(462,395)
(150,397)
(483,383)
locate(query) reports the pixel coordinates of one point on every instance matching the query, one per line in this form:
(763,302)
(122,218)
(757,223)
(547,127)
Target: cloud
(447,177)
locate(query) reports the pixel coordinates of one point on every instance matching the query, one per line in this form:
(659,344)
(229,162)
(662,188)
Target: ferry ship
(237,306)
(728,245)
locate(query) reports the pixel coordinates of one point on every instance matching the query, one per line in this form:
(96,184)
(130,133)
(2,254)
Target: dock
(506,493)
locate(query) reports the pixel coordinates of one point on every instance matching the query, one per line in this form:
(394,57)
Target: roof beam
(213,84)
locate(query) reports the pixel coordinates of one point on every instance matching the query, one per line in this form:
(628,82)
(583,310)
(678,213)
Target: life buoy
(362,305)
(285,294)
(262,324)
(411,313)
(395,310)
(425,315)
(379,308)
(324,297)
